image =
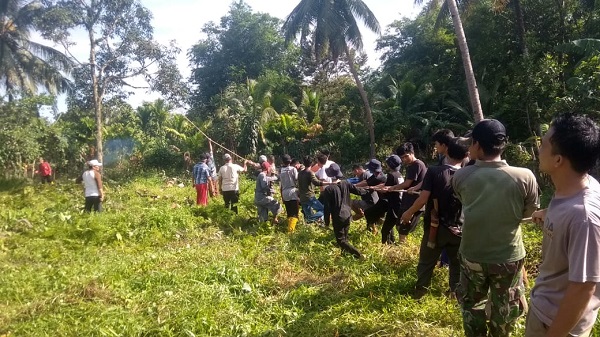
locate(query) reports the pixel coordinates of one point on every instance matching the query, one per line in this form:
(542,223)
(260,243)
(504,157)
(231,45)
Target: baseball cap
(489,131)
(334,171)
(374,165)
(393,161)
(226,156)
(262,158)
(94,162)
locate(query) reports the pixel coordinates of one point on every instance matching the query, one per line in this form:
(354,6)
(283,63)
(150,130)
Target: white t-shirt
(229,176)
(321,175)
(289,179)
(90,184)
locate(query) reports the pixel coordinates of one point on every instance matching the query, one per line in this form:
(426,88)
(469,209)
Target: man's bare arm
(571,308)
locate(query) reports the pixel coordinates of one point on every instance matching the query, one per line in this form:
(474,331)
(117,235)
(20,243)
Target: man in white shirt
(228,180)
(323,164)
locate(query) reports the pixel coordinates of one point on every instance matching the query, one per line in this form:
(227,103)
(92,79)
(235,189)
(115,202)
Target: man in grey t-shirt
(566,298)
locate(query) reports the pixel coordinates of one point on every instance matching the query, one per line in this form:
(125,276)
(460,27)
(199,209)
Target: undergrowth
(153,264)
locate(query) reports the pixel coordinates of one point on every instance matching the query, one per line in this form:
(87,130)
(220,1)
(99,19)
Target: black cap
(393,161)
(374,165)
(334,171)
(489,131)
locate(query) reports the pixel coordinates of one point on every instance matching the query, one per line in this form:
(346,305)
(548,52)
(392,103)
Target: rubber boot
(292,224)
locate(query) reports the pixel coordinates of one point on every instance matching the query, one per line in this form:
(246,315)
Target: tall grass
(153,265)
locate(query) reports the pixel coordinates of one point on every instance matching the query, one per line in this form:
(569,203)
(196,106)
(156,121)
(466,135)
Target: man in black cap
(336,202)
(392,214)
(376,178)
(495,197)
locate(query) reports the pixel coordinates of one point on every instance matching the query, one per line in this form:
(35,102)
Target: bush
(162,157)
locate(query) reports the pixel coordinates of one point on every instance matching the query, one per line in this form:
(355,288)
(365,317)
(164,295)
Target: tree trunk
(365,99)
(520,27)
(96,96)
(466,59)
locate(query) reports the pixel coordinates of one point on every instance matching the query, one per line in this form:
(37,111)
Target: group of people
(91,179)
(473,204)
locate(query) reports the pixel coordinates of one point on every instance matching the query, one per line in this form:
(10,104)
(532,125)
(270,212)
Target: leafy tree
(153,117)
(21,133)
(243,45)
(121,49)
(335,30)
(25,64)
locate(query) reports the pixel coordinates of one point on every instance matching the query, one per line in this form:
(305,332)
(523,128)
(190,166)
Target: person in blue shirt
(201,178)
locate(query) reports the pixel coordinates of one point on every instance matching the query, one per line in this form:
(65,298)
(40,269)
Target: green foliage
(25,136)
(245,45)
(161,156)
(523,78)
(517,155)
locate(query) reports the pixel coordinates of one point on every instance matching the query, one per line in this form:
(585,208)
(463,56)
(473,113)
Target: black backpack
(450,209)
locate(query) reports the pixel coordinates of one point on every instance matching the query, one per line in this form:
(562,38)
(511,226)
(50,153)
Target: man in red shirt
(45,171)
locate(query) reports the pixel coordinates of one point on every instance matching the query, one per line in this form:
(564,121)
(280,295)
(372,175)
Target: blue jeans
(312,205)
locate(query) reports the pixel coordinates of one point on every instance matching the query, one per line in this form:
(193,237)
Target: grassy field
(152,265)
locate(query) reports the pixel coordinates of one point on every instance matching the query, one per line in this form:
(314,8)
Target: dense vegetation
(255,94)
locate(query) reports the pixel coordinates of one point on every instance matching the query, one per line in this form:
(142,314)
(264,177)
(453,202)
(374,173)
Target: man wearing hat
(263,195)
(336,202)
(201,178)
(495,197)
(392,213)
(229,182)
(376,178)
(92,182)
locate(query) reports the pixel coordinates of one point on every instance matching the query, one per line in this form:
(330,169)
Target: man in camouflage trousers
(495,197)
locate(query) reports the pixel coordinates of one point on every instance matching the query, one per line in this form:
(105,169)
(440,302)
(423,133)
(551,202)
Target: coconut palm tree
(497,6)
(464,53)
(334,29)
(25,64)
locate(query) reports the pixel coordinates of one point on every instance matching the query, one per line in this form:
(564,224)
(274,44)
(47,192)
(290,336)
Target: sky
(182,21)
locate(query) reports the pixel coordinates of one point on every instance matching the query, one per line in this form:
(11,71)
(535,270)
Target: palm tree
(466,59)
(498,6)
(335,30)
(464,53)
(153,117)
(25,64)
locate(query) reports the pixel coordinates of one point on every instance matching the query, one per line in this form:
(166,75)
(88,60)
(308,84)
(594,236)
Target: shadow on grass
(335,306)
(13,185)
